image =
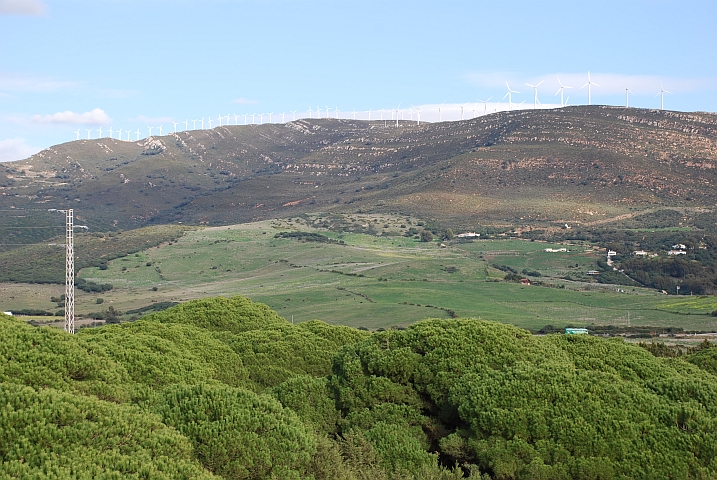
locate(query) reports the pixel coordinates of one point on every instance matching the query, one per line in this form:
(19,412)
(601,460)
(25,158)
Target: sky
(68,66)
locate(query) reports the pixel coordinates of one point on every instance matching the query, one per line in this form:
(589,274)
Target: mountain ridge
(539,168)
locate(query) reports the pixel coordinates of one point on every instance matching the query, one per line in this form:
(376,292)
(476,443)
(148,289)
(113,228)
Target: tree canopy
(226,388)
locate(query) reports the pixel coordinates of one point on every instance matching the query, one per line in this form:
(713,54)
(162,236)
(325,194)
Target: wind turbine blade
(506,95)
(668,92)
(596,84)
(585,85)
(489,99)
(539,83)
(558,90)
(658,94)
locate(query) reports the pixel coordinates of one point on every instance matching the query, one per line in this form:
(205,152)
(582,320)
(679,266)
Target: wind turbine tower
(175,126)
(589,84)
(535,94)
(561,91)
(627,96)
(485,105)
(78,134)
(662,96)
(510,96)
(88,134)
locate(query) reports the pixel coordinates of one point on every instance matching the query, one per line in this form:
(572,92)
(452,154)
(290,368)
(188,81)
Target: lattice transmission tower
(69,268)
(69,272)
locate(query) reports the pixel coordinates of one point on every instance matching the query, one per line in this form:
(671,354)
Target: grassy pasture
(383,281)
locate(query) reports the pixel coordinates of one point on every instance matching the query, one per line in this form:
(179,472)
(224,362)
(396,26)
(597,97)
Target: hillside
(225,388)
(536,168)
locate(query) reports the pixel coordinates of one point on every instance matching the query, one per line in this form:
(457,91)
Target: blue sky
(75,64)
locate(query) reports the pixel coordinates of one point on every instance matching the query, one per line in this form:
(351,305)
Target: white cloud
(94,117)
(151,121)
(609,83)
(23,83)
(245,101)
(16,149)
(34,8)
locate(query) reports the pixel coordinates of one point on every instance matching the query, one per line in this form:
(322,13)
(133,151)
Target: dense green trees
(226,387)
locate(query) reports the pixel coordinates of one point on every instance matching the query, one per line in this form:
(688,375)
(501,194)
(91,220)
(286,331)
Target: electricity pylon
(69,268)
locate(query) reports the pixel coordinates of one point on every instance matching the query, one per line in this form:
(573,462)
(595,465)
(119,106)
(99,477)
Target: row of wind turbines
(378,114)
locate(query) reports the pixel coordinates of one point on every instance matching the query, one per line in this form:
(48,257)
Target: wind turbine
(399,106)
(318,112)
(662,96)
(327,111)
(310,111)
(202,123)
(535,94)
(440,114)
(462,106)
(150,130)
(560,91)
(129,132)
(194,124)
(418,114)
(210,123)
(510,96)
(236,119)
(175,126)
(282,117)
(627,98)
(88,134)
(119,135)
(111,134)
(78,134)
(354,113)
(270,114)
(228,119)
(137,134)
(589,84)
(100,130)
(220,120)
(261,118)
(293,115)
(186,125)
(160,130)
(252,118)
(485,104)
(245,115)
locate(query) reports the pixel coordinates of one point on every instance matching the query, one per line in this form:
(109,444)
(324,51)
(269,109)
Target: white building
(468,235)
(677,252)
(8,313)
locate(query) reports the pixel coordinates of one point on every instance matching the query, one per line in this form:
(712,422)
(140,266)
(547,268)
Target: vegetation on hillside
(43,263)
(225,387)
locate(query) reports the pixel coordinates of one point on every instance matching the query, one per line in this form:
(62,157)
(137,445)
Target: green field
(380,281)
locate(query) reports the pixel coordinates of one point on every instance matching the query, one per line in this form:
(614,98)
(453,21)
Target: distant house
(576,331)
(468,235)
(611,253)
(593,272)
(679,246)
(640,253)
(556,250)
(525,281)
(8,313)
(677,252)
